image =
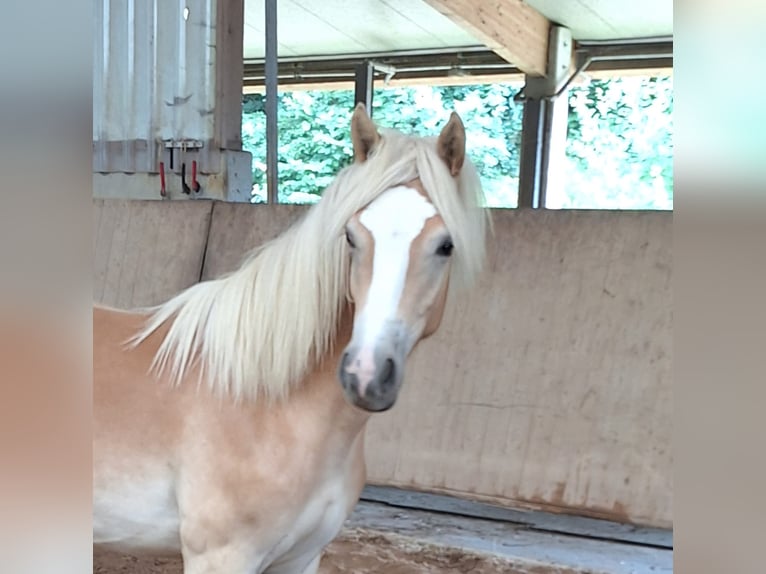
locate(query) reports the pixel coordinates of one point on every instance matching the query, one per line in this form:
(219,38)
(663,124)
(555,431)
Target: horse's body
(267,482)
(226,430)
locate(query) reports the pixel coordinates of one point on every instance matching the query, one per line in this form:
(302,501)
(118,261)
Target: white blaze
(394,220)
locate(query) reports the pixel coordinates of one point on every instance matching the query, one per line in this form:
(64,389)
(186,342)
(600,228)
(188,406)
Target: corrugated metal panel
(154,79)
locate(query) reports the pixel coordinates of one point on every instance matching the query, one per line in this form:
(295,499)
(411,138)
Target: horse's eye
(349,239)
(445,249)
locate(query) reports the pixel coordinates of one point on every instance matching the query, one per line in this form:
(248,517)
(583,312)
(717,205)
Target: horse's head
(401,254)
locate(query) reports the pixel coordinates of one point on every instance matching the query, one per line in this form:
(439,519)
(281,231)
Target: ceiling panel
(610,19)
(444,32)
(329,27)
(254,47)
(312,28)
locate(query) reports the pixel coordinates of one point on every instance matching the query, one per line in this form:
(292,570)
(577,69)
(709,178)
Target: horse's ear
(364,133)
(451,144)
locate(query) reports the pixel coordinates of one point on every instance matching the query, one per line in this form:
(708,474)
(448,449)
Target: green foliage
(619,145)
(314,139)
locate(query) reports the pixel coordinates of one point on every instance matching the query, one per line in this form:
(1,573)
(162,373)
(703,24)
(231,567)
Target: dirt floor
(387,538)
(354,553)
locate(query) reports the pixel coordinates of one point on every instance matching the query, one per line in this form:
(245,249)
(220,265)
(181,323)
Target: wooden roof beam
(511,28)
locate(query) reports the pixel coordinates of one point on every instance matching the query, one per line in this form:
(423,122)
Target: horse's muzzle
(370,378)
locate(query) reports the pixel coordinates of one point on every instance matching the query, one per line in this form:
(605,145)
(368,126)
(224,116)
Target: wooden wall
(548,385)
(146,251)
(552,383)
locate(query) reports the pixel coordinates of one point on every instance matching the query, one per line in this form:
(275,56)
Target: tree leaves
(619,145)
(618,153)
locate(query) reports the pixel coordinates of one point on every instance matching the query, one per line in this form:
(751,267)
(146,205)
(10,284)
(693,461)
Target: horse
(229,420)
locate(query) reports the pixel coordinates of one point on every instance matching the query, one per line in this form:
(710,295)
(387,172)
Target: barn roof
(332,27)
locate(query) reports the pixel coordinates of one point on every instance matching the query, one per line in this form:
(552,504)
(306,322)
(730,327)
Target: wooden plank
(229,31)
(537,520)
(146,251)
(558,389)
(522,550)
(235,229)
(301,86)
(511,28)
(559,392)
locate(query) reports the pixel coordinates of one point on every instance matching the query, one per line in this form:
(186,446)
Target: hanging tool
(163,190)
(184,186)
(195,184)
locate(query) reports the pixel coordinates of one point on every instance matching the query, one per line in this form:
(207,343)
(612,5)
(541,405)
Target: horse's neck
(324,391)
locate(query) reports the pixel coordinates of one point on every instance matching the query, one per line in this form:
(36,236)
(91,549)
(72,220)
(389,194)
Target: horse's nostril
(343,374)
(387,373)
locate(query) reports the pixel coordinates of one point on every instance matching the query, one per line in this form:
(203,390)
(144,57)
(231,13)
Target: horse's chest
(326,511)
(140,513)
(317,522)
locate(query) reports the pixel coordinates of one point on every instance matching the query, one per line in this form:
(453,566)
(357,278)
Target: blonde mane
(260,330)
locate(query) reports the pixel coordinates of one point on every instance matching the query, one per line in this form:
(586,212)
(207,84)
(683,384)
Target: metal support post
(530,171)
(272,134)
(544,124)
(363,85)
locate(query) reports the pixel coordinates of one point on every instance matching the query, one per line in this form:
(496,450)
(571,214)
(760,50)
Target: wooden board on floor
(146,251)
(533,519)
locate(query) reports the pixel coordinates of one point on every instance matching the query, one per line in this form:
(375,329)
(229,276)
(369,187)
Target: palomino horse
(229,420)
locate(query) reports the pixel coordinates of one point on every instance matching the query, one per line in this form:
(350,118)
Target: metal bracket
(388,70)
(543,130)
(557,78)
(521,96)
(183,144)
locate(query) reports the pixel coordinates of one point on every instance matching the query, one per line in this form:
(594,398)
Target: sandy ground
(354,553)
